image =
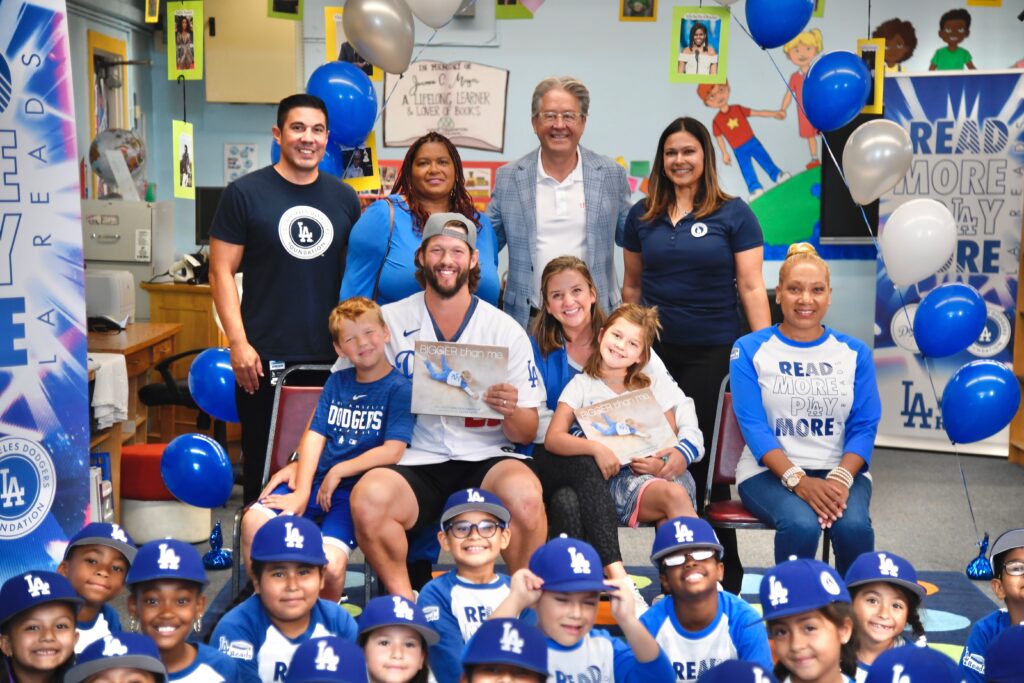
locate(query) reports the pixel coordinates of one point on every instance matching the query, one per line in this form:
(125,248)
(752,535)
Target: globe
(125,142)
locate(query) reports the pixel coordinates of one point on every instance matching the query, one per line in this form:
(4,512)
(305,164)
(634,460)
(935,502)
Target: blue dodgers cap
(102,533)
(394,610)
(683,532)
(798,586)
(568,565)
(737,671)
(287,538)
(914,664)
(474,500)
(117,651)
(325,660)
(168,558)
(885,567)
(1003,660)
(508,641)
(25,591)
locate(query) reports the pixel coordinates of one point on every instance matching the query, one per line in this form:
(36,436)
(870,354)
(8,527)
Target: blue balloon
(774,23)
(275,151)
(835,90)
(350,98)
(197,471)
(332,162)
(212,383)
(949,319)
(979,400)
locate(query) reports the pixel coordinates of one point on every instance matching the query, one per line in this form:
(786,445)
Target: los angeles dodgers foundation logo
(28,483)
(305,232)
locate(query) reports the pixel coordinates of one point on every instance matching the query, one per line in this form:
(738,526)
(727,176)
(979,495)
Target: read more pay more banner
(967,132)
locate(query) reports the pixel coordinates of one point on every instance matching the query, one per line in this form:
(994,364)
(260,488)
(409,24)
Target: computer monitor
(207,200)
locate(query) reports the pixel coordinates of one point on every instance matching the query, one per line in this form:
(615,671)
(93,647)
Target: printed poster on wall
(463,101)
(968,141)
(184,160)
(44,427)
(185,40)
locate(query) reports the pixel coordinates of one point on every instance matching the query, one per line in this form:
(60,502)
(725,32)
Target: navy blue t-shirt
(689,270)
(295,238)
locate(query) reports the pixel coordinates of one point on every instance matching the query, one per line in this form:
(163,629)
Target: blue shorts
(627,488)
(336,525)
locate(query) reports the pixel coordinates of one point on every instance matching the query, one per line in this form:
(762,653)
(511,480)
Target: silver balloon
(876,157)
(381,31)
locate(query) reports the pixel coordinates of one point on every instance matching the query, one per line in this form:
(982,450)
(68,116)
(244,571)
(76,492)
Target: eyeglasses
(1014,569)
(567,117)
(680,557)
(486,529)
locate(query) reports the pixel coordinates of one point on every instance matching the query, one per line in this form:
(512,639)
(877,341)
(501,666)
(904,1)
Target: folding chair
(295,398)
(727,446)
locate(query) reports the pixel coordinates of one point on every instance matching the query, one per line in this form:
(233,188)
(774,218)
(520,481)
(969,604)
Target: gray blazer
(513,211)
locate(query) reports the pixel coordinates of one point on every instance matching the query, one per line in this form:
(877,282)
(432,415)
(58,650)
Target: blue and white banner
(44,430)
(968,136)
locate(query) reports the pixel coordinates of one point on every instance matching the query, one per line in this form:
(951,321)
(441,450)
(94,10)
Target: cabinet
(250,58)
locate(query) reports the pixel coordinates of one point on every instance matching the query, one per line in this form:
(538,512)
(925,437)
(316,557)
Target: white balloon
(434,13)
(917,241)
(726,3)
(877,156)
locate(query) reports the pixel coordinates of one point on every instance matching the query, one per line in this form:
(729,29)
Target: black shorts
(433,484)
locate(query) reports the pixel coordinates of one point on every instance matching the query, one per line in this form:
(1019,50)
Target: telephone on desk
(104,323)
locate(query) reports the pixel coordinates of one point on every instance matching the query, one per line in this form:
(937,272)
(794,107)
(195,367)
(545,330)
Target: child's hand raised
(620,592)
(524,592)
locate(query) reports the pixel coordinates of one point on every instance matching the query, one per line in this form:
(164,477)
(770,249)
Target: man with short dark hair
(286,227)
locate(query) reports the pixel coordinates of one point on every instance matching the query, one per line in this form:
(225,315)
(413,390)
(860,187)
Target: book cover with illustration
(632,425)
(450,379)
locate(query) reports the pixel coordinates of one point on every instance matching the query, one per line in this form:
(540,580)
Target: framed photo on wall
(638,10)
(872,51)
(699,49)
(152,11)
(361,169)
(185,40)
(337,47)
(285,9)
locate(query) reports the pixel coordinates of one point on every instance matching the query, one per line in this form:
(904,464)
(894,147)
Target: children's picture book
(450,379)
(632,424)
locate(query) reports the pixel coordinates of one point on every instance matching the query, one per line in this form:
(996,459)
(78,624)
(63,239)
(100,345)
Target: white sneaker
(641,604)
(756,193)
(782,177)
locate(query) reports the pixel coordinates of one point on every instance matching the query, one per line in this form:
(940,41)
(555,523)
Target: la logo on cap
(510,640)
(829,584)
(112,647)
(897,670)
(777,593)
(117,533)
(887,567)
(36,586)
(292,537)
(759,676)
(683,533)
(402,609)
(474,497)
(326,660)
(168,558)
(579,564)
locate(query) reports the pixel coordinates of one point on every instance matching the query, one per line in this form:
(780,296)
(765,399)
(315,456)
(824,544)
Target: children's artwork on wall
(239,159)
(184,160)
(479,178)
(285,9)
(700,43)
(512,9)
(152,11)
(900,42)
(337,47)
(638,10)
(872,51)
(359,164)
(819,9)
(801,51)
(532,5)
(185,45)
(388,175)
(954,29)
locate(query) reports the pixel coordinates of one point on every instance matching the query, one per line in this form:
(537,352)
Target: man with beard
(447,453)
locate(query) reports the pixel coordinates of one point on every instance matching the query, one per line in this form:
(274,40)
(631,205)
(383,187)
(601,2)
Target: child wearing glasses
(1008,585)
(697,625)
(474,529)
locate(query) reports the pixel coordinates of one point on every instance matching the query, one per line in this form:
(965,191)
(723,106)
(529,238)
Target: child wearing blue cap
(362,421)
(1008,585)
(563,585)
(914,664)
(263,632)
(166,603)
(395,637)
(737,671)
(697,625)
(118,658)
(807,608)
(475,530)
(327,660)
(886,598)
(96,562)
(37,626)
(503,650)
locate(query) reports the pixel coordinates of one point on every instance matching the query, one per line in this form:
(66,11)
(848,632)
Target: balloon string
(878,250)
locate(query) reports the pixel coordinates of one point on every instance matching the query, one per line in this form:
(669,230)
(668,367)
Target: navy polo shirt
(689,270)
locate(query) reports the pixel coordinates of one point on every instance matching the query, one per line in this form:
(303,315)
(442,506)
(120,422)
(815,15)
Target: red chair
(727,446)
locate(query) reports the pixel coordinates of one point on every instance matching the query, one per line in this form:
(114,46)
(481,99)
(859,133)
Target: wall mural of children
(900,42)
(801,51)
(954,28)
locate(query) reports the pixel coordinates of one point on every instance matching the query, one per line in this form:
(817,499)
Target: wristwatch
(791,477)
(294,457)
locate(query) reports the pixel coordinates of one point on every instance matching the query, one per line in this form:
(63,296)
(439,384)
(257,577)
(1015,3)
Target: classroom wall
(625,65)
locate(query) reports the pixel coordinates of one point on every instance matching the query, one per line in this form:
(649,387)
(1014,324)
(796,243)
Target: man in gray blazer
(558,199)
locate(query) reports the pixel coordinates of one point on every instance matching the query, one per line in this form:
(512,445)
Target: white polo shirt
(561,220)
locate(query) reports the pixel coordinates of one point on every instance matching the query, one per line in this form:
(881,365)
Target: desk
(143,346)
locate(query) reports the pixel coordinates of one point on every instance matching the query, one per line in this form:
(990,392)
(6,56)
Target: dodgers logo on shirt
(698,229)
(305,232)
(28,483)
